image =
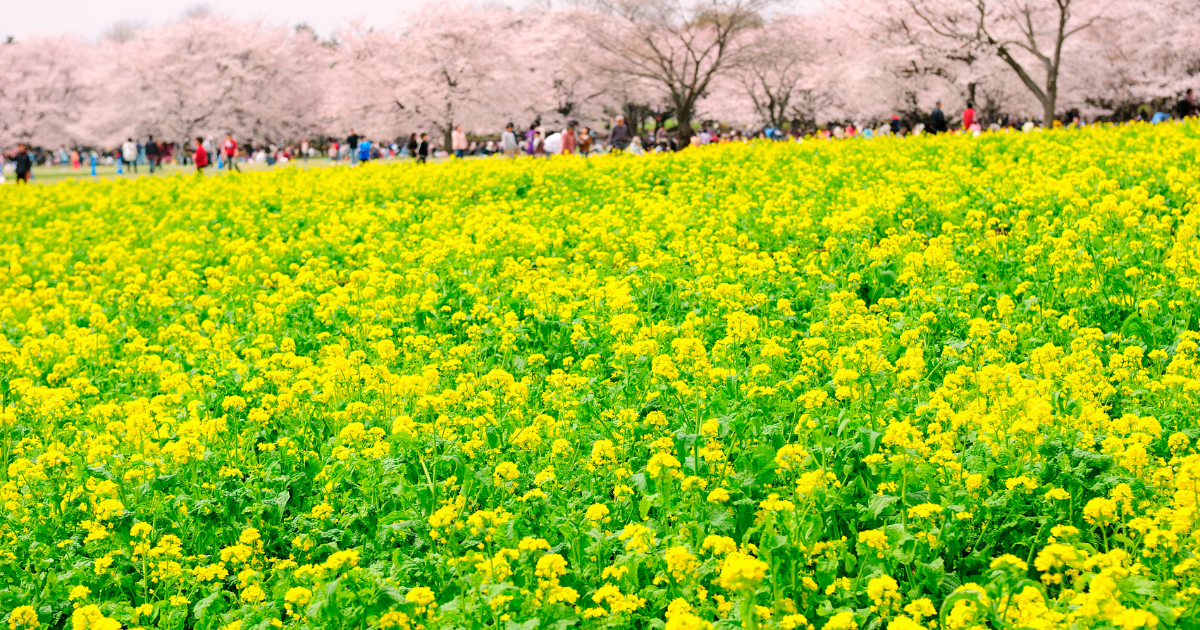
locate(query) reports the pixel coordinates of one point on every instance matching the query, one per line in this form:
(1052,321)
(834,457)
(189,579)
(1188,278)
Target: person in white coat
(553,144)
(129,155)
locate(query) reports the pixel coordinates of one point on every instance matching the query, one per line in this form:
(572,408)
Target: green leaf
(1164,612)
(202,606)
(869,439)
(885,275)
(280,501)
(1138,584)
(879,502)
(387,597)
(162,483)
(1135,326)
(532,624)
(970,595)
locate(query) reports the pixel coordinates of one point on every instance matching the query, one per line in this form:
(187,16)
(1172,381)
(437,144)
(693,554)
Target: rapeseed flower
(731,385)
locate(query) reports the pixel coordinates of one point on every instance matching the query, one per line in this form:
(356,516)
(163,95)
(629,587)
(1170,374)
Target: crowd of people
(537,140)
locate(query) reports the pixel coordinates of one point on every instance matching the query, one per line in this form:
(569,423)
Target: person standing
(423,148)
(24,164)
(530,135)
(152,153)
(569,140)
(230,149)
(968,116)
(304,150)
(458,142)
(539,144)
(937,120)
(585,141)
(129,154)
(412,146)
(618,136)
(200,158)
(508,141)
(1187,105)
(364,149)
(352,142)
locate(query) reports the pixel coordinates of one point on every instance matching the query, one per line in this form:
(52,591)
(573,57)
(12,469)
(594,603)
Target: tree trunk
(1050,101)
(683,116)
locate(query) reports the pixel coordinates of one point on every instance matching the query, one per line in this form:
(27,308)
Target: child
(423,148)
(364,149)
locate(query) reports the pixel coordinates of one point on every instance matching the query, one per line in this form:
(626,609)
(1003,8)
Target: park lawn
(55,174)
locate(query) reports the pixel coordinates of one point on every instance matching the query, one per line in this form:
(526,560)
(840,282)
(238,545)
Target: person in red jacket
(968,116)
(229,148)
(200,157)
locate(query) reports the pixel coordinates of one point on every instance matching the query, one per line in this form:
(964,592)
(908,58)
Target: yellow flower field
(893,384)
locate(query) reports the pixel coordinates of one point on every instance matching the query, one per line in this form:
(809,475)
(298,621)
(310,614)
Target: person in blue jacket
(364,149)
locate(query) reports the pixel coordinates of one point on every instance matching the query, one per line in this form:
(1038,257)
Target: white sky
(90,18)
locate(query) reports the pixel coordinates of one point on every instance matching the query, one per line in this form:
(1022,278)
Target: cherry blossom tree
(677,46)
(741,61)
(1147,50)
(779,61)
(367,87)
(209,75)
(43,91)
(558,78)
(448,65)
(1029,36)
(461,67)
(910,68)
(803,67)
